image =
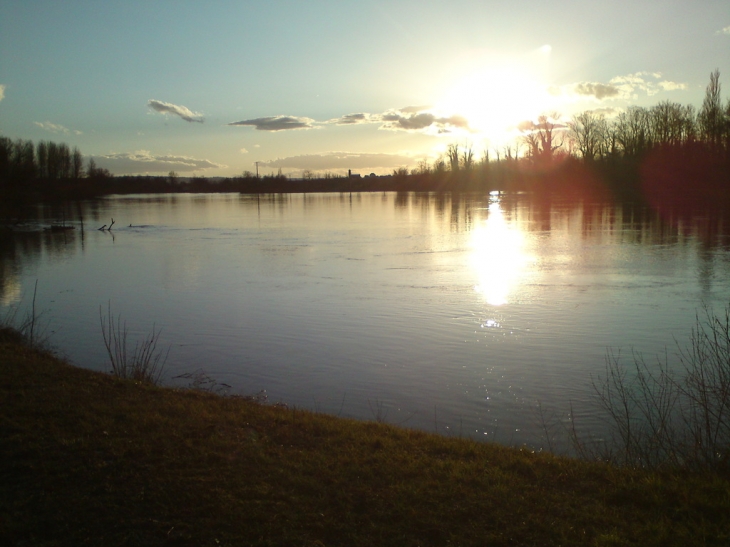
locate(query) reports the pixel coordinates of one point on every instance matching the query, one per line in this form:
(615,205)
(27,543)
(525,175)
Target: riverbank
(89,459)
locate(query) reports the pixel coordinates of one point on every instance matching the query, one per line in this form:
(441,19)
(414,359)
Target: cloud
(278,123)
(597,90)
(244,151)
(168,108)
(529,126)
(2,92)
(671,86)
(415,109)
(413,119)
(353,119)
(625,87)
(607,111)
(340,160)
(639,81)
(410,118)
(56,128)
(143,161)
(726,30)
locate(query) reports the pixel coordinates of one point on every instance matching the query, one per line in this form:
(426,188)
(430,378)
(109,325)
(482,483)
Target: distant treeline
(668,154)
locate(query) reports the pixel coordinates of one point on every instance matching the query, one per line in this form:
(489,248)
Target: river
(482,316)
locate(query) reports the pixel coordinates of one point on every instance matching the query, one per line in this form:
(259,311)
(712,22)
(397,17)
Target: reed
(144,363)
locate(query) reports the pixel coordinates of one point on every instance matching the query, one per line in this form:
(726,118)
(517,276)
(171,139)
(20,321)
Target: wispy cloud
(409,118)
(278,123)
(2,92)
(625,87)
(354,119)
(143,161)
(671,86)
(177,110)
(340,160)
(639,81)
(726,30)
(56,128)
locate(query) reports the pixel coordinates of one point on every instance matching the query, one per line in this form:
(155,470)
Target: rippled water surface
(459,314)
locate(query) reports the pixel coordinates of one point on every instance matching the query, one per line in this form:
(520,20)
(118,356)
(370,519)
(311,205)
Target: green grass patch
(90,459)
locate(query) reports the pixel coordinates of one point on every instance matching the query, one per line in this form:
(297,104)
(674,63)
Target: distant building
(351,175)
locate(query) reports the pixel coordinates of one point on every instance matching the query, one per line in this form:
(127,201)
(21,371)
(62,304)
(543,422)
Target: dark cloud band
(277,123)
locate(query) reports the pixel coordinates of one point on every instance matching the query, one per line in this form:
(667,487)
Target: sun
(495,99)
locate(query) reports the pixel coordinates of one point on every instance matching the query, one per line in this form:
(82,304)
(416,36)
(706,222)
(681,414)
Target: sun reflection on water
(499,257)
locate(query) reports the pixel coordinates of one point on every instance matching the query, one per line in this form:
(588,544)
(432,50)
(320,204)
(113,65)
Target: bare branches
(659,417)
(144,363)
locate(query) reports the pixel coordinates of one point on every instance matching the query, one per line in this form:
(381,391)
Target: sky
(221,87)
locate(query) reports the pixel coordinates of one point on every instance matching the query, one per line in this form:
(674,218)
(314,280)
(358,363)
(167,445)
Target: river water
(482,316)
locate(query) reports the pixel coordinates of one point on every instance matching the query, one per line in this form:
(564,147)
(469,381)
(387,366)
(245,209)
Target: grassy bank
(89,459)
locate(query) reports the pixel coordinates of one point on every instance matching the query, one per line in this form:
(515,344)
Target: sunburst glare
(495,98)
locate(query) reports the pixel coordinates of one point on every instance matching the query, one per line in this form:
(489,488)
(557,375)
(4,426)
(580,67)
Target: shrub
(145,363)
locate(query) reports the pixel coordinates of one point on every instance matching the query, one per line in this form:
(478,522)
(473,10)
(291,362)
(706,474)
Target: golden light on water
(499,257)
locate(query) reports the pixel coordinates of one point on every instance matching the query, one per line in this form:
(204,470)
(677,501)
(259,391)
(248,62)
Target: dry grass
(90,459)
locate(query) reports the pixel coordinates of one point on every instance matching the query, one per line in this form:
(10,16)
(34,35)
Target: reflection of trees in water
(17,250)
(22,250)
(599,223)
(25,237)
(23,240)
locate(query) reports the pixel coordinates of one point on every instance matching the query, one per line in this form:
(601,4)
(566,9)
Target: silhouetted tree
(452,153)
(94,172)
(588,131)
(671,123)
(23,161)
(467,158)
(6,154)
(41,153)
(711,118)
(77,164)
(543,138)
(632,131)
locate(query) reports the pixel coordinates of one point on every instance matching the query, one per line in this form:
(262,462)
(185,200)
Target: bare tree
(671,123)
(467,158)
(711,119)
(452,153)
(439,167)
(6,153)
(544,138)
(77,164)
(588,131)
(64,160)
(632,131)
(23,165)
(41,152)
(423,168)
